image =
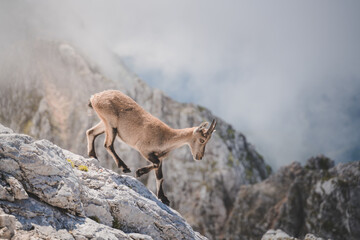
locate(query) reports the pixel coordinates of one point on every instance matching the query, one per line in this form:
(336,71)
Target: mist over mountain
(229,194)
(289,83)
(284,73)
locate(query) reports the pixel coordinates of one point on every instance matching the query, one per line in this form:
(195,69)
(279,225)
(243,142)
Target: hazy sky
(285,73)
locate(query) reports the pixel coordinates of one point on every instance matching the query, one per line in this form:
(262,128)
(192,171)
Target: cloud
(284,73)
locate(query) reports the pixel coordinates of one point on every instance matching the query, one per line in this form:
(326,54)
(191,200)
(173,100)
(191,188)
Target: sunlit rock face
(45,88)
(50,193)
(318,198)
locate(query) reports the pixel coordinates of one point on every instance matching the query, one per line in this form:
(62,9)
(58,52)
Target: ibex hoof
(92,155)
(165,201)
(126,170)
(139,172)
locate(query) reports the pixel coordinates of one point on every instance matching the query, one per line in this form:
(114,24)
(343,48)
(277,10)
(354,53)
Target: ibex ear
(202,126)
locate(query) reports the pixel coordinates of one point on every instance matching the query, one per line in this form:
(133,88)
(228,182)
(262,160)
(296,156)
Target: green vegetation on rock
(95,218)
(116,224)
(27,127)
(249,174)
(83,168)
(268,169)
(230,160)
(71,162)
(230,132)
(201,108)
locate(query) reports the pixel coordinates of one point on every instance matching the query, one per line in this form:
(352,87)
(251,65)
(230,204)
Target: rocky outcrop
(51,84)
(281,235)
(50,193)
(319,198)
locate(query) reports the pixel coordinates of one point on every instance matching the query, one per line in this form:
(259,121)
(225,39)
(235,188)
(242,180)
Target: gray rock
(7,225)
(300,200)
(319,162)
(122,201)
(281,235)
(53,198)
(5,194)
(5,130)
(310,236)
(16,187)
(11,189)
(276,235)
(52,181)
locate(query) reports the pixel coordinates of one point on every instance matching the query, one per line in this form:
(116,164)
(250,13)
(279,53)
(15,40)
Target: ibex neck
(181,137)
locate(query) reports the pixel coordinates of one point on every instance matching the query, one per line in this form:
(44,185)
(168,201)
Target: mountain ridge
(230,194)
(319,197)
(48,99)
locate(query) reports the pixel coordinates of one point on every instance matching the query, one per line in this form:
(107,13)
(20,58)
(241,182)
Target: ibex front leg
(91,134)
(109,145)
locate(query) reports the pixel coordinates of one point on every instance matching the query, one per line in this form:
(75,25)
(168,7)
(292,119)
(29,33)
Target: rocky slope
(50,193)
(45,87)
(319,198)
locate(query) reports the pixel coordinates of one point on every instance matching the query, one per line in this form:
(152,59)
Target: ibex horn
(212,127)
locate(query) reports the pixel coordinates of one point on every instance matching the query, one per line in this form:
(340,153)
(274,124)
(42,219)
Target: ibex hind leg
(109,145)
(91,134)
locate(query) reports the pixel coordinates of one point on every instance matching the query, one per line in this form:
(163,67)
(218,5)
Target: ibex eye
(202,140)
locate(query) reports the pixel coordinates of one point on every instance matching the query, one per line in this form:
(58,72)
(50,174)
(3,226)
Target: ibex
(121,116)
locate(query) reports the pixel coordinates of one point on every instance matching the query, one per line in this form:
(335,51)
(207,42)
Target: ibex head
(201,136)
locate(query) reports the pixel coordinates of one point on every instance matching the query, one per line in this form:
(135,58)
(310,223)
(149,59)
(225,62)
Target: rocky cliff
(50,193)
(318,198)
(45,87)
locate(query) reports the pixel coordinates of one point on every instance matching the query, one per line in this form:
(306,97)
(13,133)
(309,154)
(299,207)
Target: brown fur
(123,117)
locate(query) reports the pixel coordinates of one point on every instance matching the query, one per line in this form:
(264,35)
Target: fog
(285,73)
